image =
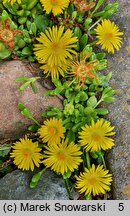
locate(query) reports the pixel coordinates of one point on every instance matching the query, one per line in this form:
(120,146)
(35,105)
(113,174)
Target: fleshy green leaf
(102,111)
(67,175)
(92,101)
(21,106)
(4,149)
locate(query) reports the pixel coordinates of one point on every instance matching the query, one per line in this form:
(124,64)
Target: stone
(119,63)
(12,124)
(15,186)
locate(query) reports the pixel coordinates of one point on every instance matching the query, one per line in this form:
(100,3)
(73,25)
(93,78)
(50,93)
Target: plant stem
(98,103)
(103,161)
(88,160)
(43,170)
(94,24)
(68,189)
(93,43)
(33,119)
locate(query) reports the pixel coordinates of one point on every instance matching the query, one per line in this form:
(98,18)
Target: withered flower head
(83,5)
(81,69)
(7,34)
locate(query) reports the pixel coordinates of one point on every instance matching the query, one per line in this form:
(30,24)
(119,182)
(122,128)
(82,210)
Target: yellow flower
(52,131)
(54,49)
(12,1)
(94,181)
(62,157)
(108,35)
(81,69)
(54,71)
(95,136)
(26,154)
(56,6)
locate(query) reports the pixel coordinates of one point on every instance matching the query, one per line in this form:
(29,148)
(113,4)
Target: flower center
(61,156)
(96,136)
(53,2)
(25,154)
(6,35)
(92,180)
(56,47)
(52,131)
(109,36)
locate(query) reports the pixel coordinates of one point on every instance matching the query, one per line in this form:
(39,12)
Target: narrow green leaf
(102,111)
(22,87)
(67,175)
(98,4)
(4,149)
(88,110)
(108,76)
(36,177)
(26,112)
(20,79)
(26,51)
(77,127)
(58,90)
(33,28)
(109,99)
(33,128)
(71,136)
(34,87)
(21,106)
(49,93)
(57,82)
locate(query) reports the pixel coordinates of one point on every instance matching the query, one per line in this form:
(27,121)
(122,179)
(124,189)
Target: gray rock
(12,124)
(15,186)
(119,64)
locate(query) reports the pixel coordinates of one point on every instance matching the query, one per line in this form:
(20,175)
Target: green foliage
(108,11)
(4,51)
(4,149)
(36,178)
(27,81)
(81,107)
(30,18)
(4,161)
(27,113)
(81,103)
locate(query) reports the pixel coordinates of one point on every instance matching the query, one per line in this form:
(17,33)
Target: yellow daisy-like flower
(62,157)
(26,154)
(94,181)
(108,35)
(54,71)
(52,131)
(56,6)
(54,49)
(12,1)
(94,137)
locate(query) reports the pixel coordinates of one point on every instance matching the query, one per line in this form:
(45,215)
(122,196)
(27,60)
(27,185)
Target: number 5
(121,207)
